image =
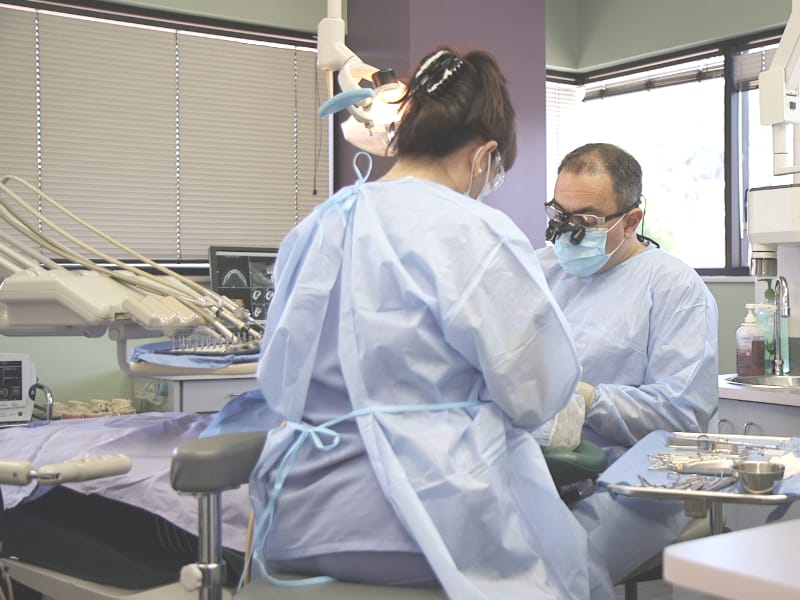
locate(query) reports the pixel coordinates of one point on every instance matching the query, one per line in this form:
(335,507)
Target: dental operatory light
(369,94)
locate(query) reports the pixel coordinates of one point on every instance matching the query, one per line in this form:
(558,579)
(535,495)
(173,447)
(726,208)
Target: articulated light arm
(368,94)
(773,212)
(778,97)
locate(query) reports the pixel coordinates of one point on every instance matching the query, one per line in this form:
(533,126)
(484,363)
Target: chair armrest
(216,463)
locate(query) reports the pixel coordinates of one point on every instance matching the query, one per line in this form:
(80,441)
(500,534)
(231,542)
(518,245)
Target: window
(167,139)
(682,121)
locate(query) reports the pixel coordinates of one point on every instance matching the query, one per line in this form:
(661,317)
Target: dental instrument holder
(89,292)
(698,503)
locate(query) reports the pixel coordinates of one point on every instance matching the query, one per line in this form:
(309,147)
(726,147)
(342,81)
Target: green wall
(731,294)
(298,15)
(590,34)
(74,368)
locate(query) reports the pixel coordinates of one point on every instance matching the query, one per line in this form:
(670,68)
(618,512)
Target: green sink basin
(769,381)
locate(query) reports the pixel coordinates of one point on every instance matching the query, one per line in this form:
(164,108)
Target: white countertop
(761,562)
(732,391)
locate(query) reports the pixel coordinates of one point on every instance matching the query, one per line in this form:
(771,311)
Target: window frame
(735,133)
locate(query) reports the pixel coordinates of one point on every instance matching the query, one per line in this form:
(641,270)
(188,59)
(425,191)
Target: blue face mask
(589,256)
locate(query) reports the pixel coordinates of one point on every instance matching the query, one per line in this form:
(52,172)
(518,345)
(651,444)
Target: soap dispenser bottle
(749,346)
(765,317)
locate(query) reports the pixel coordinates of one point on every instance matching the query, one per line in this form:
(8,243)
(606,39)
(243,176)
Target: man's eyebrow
(583,210)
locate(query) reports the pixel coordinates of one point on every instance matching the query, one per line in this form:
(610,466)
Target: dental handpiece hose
(95,467)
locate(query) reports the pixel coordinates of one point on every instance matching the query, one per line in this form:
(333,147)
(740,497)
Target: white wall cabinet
(757,418)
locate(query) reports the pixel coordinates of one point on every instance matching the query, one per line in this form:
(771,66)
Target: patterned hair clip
(437,70)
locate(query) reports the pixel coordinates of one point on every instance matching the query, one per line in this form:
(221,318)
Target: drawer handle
(728,422)
(748,425)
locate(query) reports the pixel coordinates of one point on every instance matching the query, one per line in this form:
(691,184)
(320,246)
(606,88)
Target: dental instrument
(16,472)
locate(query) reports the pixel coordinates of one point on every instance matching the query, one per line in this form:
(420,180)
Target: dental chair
(204,468)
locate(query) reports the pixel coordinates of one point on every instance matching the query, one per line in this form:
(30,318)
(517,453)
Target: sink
(768,381)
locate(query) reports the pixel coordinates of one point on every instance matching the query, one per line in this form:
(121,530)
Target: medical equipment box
(17,376)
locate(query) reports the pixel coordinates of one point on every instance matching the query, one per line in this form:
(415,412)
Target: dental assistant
(411,376)
(643,322)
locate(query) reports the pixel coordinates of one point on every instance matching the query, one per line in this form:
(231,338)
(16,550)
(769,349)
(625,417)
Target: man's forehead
(584,192)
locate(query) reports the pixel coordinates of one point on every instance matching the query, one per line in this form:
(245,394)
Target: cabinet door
(210,395)
(756,418)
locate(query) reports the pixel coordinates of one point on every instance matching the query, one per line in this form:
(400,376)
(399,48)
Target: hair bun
(437,70)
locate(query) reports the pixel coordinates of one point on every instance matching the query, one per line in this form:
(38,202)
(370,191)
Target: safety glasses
(556,212)
(576,224)
(499,173)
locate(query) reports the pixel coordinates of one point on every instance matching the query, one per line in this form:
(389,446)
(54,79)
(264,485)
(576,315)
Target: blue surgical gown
(646,335)
(404,293)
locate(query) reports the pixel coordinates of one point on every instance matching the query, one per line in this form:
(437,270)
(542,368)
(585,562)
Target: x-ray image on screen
(244,275)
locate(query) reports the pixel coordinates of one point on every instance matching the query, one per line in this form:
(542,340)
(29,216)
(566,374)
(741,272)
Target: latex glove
(563,432)
(588,392)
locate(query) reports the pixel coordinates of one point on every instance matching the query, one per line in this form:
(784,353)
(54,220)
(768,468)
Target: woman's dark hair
(452,100)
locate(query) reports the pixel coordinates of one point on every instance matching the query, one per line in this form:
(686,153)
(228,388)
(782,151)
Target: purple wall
(398,33)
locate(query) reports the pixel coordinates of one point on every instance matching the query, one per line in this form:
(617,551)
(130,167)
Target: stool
(208,466)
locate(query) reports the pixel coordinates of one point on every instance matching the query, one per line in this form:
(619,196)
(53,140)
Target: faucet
(782,310)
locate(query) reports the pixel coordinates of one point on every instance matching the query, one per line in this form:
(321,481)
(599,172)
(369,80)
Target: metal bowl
(758,476)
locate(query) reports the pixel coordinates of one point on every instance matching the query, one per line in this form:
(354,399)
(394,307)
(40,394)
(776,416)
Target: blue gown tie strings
(324,438)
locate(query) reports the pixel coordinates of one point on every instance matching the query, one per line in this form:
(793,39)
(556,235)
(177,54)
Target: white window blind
(704,69)
(108,129)
(562,103)
(169,141)
(748,65)
(17,104)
